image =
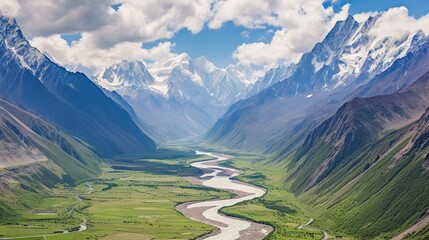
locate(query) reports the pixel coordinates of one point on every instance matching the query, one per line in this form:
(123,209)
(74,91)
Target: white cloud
(397,23)
(134,21)
(48,17)
(9,8)
(252,14)
(151,20)
(299,32)
(108,36)
(302,22)
(85,56)
(362,17)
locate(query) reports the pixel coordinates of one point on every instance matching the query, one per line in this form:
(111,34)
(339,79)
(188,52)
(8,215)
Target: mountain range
(347,59)
(180,99)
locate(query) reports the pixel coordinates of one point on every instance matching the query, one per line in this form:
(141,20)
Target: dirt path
(307,225)
(421,223)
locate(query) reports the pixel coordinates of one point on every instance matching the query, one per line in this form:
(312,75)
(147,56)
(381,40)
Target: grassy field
(123,204)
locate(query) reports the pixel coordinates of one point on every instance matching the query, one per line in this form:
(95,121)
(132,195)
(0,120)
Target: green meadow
(120,204)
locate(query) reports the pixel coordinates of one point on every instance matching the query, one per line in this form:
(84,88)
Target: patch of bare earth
(421,223)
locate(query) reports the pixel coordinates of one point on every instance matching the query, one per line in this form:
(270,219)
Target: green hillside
(366,168)
(35,156)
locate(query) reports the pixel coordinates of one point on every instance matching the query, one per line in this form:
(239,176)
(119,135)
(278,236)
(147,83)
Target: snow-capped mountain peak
(350,54)
(127,74)
(272,76)
(26,56)
(182,63)
(129,77)
(205,64)
(193,92)
(180,77)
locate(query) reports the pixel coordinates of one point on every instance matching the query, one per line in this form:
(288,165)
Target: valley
(123,204)
(141,204)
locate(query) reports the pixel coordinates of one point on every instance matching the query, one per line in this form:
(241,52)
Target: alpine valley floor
(136,199)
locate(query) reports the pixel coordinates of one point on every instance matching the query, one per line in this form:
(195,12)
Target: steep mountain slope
(346,59)
(35,156)
(27,137)
(355,125)
(368,175)
(390,192)
(184,98)
(402,73)
(151,131)
(68,100)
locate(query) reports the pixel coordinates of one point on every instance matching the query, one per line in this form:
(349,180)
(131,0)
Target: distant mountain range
(180,99)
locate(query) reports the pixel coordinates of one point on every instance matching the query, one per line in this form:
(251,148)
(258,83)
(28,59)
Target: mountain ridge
(180,99)
(68,100)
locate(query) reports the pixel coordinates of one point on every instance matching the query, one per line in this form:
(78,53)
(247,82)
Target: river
(228,228)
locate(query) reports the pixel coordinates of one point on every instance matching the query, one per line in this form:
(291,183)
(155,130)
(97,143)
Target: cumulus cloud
(84,56)
(151,20)
(252,14)
(397,23)
(108,34)
(305,24)
(302,23)
(135,20)
(48,17)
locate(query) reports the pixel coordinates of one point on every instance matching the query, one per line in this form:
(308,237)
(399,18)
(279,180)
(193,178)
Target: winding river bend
(229,228)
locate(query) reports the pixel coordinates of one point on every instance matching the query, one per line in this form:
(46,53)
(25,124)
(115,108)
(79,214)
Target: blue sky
(217,45)
(416,8)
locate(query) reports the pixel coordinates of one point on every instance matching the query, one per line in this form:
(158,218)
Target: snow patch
(317,65)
